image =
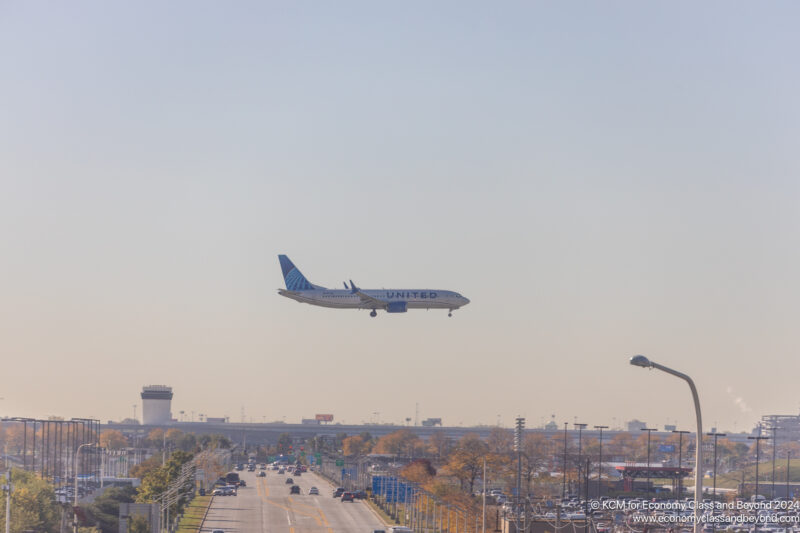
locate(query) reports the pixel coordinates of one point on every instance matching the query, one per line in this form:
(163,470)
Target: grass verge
(193,515)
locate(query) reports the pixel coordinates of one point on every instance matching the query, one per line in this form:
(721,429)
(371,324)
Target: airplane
(390,300)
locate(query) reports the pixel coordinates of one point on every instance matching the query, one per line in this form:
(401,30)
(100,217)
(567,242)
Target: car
(282,471)
(289,480)
(242,483)
(313,491)
(218,531)
(218,492)
(348,497)
(263,466)
(295,489)
(338,492)
(298,473)
(261,474)
(360,495)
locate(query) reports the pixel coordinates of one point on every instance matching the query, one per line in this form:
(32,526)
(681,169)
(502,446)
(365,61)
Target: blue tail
(295,280)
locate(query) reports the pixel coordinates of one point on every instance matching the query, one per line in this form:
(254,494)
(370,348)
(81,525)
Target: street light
(680,459)
(75,496)
(758,440)
(774,430)
(600,463)
(715,435)
(649,431)
(580,427)
(644,362)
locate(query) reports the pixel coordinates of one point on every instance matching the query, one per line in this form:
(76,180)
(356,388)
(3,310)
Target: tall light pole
(788,466)
(649,431)
(716,435)
(644,362)
(519,435)
(758,440)
(680,459)
(774,430)
(564,477)
(75,496)
(600,463)
(580,427)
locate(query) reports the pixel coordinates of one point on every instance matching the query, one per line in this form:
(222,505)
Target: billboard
(324,418)
(666,448)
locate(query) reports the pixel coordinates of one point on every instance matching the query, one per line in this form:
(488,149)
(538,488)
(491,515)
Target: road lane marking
(290,509)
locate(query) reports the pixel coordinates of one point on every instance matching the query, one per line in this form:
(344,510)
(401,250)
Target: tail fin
(295,280)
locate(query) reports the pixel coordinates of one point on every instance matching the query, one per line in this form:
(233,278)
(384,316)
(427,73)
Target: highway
(265,505)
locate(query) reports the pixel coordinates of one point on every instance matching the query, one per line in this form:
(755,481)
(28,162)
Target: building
(156,405)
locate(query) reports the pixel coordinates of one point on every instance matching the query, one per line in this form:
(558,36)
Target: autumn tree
(418,471)
(438,444)
(397,443)
(113,439)
(465,462)
(355,445)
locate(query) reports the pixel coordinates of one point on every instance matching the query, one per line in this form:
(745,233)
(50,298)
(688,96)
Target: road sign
(339,462)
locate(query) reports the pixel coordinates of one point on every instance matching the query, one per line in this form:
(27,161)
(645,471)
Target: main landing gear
(373,313)
(450,312)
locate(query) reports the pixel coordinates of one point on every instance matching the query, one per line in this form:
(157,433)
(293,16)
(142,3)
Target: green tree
(104,511)
(33,505)
(139,524)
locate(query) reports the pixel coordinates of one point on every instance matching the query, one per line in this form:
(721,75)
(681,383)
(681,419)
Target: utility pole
(680,459)
(8,494)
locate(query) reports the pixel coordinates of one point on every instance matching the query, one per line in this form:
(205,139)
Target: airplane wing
(366,298)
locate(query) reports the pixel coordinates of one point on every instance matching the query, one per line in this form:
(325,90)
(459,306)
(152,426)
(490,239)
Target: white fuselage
(347,299)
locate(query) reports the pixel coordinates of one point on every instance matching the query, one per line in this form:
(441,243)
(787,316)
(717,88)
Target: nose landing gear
(373,313)
(450,312)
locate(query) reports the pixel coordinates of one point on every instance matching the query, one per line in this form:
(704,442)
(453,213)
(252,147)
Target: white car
(313,490)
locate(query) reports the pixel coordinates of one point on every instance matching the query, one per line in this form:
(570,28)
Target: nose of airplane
(465,301)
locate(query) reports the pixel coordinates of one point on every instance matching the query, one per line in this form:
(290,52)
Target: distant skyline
(600,180)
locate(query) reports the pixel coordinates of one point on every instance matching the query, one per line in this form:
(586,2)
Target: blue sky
(599,179)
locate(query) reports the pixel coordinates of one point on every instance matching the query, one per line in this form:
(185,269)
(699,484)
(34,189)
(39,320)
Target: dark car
(289,480)
(338,492)
(347,497)
(242,483)
(298,472)
(261,474)
(295,489)
(360,495)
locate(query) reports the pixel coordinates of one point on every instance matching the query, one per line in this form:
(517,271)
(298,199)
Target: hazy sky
(600,179)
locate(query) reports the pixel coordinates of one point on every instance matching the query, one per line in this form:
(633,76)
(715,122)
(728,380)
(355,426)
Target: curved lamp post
(644,362)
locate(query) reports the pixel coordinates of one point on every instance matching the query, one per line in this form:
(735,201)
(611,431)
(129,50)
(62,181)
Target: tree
(284,443)
(396,443)
(418,471)
(139,524)
(33,505)
(355,445)
(466,460)
(104,511)
(113,439)
(500,441)
(438,444)
(155,438)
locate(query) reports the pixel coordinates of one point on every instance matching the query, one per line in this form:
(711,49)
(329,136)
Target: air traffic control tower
(156,405)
